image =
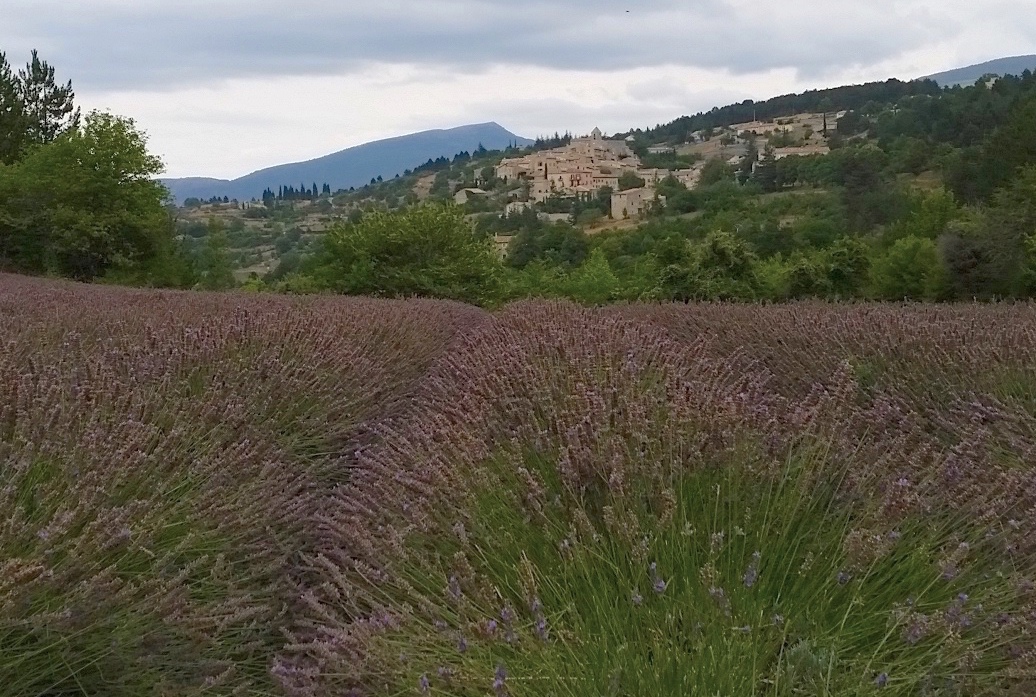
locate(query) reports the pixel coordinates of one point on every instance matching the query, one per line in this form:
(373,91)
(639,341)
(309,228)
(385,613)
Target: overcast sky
(224,87)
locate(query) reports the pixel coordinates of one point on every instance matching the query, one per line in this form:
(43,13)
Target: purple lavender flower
(657,582)
(956,615)
(637,598)
(454,588)
(423,685)
(881,680)
(916,631)
(720,596)
(500,681)
(752,574)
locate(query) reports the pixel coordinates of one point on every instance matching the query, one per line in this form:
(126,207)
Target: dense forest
(850,97)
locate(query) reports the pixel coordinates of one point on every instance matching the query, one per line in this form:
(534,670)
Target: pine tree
(12,124)
(49,108)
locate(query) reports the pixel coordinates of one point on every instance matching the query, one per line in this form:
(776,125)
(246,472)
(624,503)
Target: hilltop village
(583,167)
(593,182)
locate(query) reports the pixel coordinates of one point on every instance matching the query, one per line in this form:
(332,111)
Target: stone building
(464,195)
(580,169)
(633,202)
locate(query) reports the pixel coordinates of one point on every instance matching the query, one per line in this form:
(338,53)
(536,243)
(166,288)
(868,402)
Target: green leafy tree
(535,280)
(847,264)
(851,123)
(429,250)
(629,180)
(974,267)
(86,203)
(1013,219)
(1011,147)
(715,170)
(603,200)
(559,244)
(988,252)
(909,270)
(593,283)
(588,217)
(722,266)
(214,268)
(806,276)
(929,215)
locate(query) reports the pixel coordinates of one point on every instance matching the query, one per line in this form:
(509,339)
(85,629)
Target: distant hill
(354,166)
(967,76)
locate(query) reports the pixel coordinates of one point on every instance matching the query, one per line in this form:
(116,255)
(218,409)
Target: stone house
(633,202)
(516,207)
(660,149)
(801,150)
(464,195)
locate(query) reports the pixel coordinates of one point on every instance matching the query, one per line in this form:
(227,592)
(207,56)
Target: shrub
(429,251)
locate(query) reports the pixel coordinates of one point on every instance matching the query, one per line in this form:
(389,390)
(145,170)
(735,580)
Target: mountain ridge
(967,75)
(353,166)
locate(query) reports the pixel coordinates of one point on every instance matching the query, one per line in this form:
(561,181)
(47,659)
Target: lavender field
(258,495)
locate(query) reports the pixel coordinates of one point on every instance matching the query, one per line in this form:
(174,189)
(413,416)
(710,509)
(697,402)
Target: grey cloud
(103,44)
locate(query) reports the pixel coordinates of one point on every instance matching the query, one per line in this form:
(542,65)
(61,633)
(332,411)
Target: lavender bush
(234,494)
(160,455)
(600,508)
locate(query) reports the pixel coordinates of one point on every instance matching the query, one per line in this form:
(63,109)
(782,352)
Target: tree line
(849,97)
